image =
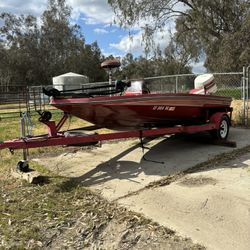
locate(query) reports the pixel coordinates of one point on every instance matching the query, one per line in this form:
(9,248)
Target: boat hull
(144,111)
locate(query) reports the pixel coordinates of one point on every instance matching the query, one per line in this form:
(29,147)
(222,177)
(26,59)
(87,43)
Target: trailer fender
(216,118)
(222,123)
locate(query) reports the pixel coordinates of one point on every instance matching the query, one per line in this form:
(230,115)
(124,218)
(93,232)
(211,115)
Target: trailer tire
(223,131)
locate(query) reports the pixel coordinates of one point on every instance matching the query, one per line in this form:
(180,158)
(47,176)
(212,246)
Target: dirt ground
(209,204)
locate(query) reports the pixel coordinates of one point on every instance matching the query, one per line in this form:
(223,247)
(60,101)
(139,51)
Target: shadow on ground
(168,157)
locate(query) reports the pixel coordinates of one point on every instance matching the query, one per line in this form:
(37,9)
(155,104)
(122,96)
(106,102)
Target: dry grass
(64,215)
(237,115)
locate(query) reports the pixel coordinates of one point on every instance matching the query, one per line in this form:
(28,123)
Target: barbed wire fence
(20,98)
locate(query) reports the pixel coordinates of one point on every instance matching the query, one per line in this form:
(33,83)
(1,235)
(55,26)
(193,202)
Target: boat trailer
(55,137)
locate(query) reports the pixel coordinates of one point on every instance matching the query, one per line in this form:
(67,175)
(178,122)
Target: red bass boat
(132,109)
(137,108)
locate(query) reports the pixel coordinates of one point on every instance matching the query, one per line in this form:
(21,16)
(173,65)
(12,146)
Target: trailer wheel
(223,131)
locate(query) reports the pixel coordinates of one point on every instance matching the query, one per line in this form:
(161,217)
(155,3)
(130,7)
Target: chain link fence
(228,84)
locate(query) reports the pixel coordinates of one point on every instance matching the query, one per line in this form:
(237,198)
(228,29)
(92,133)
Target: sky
(96,20)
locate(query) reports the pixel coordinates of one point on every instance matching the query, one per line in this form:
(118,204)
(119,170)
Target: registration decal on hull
(162,108)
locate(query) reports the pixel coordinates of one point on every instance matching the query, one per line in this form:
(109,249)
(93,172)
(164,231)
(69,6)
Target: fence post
(176,84)
(244,94)
(247,92)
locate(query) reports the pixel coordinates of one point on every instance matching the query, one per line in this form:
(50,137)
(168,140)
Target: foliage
(33,53)
(218,29)
(156,66)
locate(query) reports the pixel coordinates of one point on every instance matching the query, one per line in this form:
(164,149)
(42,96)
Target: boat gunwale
(137,98)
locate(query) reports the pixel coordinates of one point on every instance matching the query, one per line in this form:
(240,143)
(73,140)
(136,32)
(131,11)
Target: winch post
(23,164)
(54,128)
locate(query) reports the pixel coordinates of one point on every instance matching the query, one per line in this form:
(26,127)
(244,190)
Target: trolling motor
(110,65)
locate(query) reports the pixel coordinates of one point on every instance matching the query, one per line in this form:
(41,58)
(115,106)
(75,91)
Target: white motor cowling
(204,85)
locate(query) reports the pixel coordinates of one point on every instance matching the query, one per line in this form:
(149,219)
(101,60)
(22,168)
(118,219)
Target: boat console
(137,87)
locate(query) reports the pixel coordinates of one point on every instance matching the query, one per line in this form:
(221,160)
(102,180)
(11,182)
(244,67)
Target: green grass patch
(234,93)
(10,129)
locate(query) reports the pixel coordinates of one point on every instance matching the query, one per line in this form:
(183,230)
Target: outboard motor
(204,85)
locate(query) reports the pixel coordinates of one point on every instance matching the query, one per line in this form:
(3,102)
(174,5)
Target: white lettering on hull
(163,108)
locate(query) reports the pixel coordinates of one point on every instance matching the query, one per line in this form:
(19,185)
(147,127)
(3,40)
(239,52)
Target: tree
(141,67)
(20,38)
(215,27)
(202,26)
(34,53)
(90,63)
(128,67)
(58,37)
(65,47)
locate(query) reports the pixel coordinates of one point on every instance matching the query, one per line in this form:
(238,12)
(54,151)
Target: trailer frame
(55,137)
